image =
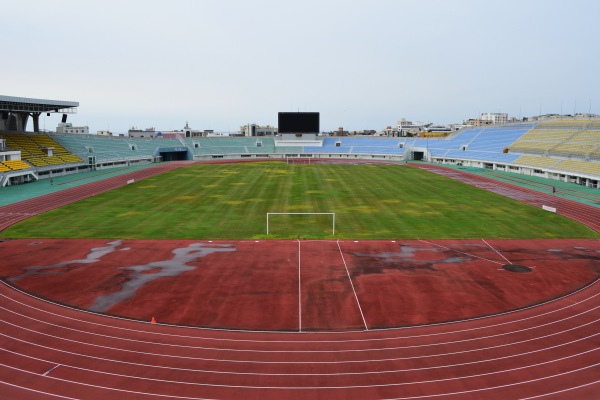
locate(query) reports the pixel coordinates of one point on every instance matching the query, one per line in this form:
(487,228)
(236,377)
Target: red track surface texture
(549,351)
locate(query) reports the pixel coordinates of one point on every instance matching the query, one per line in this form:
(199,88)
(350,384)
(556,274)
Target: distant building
(409,128)
(211,133)
(340,132)
(138,133)
(68,128)
(104,133)
(185,132)
(477,122)
(489,119)
(257,130)
(495,118)
(389,131)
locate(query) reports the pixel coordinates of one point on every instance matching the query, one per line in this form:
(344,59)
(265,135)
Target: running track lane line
(306,388)
(87,322)
(337,373)
(373,349)
(238,361)
(352,284)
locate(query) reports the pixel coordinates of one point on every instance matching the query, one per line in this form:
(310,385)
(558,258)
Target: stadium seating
(565,139)
(541,140)
(113,148)
(582,167)
(37,162)
(22,143)
(545,145)
(565,123)
(485,144)
(70,158)
(537,161)
(231,145)
(16,165)
(31,147)
(289,150)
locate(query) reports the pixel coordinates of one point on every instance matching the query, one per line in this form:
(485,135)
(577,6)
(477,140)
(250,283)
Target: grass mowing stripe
(230,201)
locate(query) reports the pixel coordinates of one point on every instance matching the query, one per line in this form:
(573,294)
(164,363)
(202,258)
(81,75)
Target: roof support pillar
(36,121)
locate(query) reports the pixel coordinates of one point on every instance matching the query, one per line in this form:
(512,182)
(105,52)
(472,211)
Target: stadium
(462,267)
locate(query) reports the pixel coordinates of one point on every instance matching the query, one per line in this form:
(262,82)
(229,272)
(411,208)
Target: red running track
(551,351)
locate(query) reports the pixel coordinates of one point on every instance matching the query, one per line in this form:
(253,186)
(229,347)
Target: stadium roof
(24,104)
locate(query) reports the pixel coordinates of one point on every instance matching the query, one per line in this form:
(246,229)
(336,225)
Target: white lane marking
(560,391)
(352,284)
(513,332)
(39,391)
(303,388)
(577,326)
(340,373)
(50,370)
(500,254)
(458,251)
(451,332)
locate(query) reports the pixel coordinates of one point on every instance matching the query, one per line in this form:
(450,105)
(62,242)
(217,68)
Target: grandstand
(536,161)
(39,150)
(117,150)
(580,167)
(16,165)
(540,141)
(535,149)
(561,149)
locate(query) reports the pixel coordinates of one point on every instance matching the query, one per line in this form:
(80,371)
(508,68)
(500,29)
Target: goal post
(303,213)
(297,160)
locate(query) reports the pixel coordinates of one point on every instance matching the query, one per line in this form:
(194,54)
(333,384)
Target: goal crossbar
(302,213)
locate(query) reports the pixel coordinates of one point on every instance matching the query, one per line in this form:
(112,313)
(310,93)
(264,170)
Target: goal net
(300,224)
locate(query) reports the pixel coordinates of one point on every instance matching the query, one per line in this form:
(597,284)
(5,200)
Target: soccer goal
(288,223)
(296,160)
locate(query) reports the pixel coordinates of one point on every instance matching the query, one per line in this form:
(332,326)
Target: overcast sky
(362,64)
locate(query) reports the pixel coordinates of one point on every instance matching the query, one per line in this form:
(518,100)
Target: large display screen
(298,122)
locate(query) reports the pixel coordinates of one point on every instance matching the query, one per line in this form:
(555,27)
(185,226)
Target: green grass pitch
(230,201)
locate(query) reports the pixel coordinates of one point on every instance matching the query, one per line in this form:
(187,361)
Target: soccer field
(230,201)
